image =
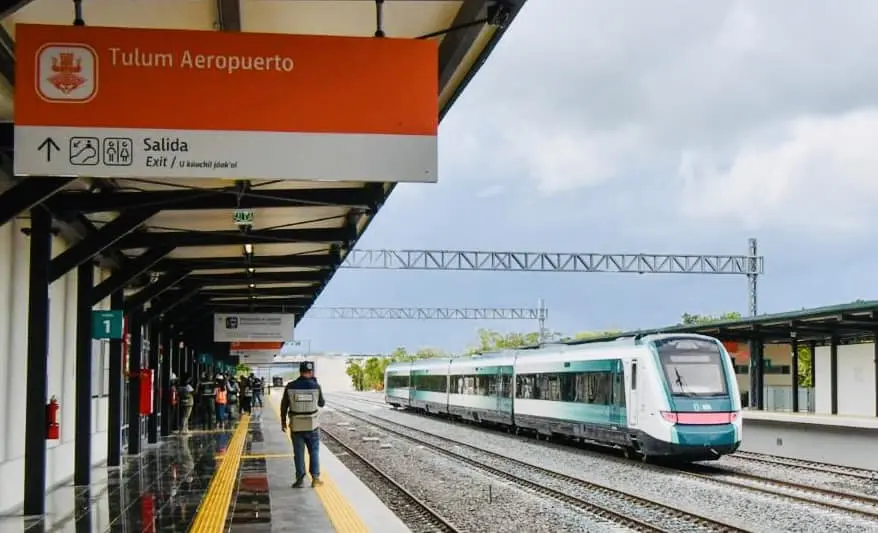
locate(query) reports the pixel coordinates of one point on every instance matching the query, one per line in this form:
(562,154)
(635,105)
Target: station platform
(182,484)
(831,439)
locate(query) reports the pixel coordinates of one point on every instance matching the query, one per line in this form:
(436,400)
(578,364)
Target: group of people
(219,399)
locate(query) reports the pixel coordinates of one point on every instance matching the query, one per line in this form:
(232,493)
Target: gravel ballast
(469,499)
(753,511)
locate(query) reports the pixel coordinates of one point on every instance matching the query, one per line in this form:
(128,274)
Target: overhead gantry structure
(171,247)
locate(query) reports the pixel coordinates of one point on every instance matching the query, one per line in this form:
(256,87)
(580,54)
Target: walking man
(302,398)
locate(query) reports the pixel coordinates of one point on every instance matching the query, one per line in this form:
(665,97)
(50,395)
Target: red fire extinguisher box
(53,429)
(146,391)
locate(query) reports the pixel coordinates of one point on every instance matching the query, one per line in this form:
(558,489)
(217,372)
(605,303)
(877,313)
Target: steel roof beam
(8,7)
(257,261)
(258,278)
(457,43)
(162,306)
(259,292)
(27,193)
(144,239)
(97,242)
(134,268)
(243,304)
(195,199)
(153,290)
(295,310)
(228,15)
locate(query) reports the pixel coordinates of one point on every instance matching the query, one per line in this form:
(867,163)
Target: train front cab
(701,419)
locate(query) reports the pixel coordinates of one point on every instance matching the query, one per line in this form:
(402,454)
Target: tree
(242,369)
(355,371)
(805,377)
(693,320)
(584,335)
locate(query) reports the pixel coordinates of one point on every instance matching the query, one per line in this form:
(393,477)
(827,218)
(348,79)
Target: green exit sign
(106,324)
(243,217)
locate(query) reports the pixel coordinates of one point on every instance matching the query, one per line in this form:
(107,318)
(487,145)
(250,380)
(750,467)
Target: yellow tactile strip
(214,508)
(342,515)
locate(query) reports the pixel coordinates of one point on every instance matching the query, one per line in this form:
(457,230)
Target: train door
(633,395)
(504,389)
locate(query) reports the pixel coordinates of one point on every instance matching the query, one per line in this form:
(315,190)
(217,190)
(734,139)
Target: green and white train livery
(672,396)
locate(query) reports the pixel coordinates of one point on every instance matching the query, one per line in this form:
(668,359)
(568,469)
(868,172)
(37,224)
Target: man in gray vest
(302,398)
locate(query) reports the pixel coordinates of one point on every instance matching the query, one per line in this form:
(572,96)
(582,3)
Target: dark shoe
(299,483)
(316,482)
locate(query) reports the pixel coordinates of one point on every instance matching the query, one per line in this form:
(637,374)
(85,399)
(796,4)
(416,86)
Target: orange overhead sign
(250,346)
(116,101)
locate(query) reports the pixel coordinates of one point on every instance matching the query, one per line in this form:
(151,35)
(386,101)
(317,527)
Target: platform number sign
(106,324)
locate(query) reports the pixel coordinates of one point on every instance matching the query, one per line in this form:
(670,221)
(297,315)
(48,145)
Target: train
(655,397)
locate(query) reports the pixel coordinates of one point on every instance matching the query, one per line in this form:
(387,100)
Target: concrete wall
(856,380)
(14,253)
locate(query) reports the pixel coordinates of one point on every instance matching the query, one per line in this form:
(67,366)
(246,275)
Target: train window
(526,387)
(692,367)
(633,375)
(430,383)
(618,389)
(396,382)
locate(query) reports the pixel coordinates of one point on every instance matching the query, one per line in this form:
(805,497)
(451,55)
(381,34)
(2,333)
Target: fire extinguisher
(52,429)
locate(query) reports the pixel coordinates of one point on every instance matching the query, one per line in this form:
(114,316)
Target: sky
(639,126)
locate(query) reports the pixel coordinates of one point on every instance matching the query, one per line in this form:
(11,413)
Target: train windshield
(693,367)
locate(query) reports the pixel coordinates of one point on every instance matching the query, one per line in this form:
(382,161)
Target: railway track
(417,515)
(654,517)
(810,466)
(860,504)
(835,500)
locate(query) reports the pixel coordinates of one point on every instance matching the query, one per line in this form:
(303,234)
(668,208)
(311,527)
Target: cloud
(682,98)
(820,174)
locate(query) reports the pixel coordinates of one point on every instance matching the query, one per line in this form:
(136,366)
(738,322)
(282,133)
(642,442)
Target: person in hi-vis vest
(302,399)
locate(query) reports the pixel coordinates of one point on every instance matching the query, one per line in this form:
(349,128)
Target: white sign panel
(253,327)
(255,357)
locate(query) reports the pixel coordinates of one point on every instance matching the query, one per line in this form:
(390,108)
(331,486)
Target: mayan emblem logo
(67,67)
(67,73)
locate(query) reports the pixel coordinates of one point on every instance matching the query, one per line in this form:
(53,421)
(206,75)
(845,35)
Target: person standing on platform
(302,399)
(187,401)
(222,400)
(256,383)
(233,397)
(246,396)
(207,387)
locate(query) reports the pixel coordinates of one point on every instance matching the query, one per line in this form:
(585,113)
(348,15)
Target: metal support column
(756,373)
(82,447)
(760,375)
(167,357)
(152,421)
(812,348)
(833,375)
(875,362)
(135,326)
(37,363)
(752,275)
(794,348)
(114,411)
